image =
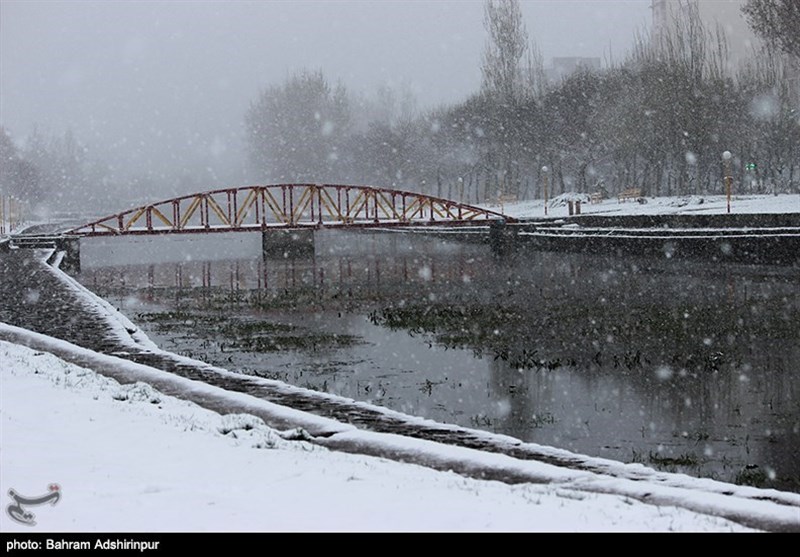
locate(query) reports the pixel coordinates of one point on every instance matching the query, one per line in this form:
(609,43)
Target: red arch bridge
(286,214)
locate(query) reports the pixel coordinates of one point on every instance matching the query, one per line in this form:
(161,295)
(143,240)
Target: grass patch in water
(247,334)
(306,341)
(685,459)
(179,317)
(751,475)
(239,329)
(541,420)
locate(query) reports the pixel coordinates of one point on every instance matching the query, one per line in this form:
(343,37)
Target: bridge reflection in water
(678,365)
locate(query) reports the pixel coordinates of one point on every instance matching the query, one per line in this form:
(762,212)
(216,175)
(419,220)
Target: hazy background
(162,87)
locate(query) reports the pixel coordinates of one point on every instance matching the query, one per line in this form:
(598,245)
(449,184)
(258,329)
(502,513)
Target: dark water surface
(683,366)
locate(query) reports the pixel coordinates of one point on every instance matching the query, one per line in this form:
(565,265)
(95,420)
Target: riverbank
(558,206)
(110,482)
(758,230)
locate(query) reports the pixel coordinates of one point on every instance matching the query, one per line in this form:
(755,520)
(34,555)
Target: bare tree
(295,130)
(535,77)
(505,48)
(777,22)
(18,176)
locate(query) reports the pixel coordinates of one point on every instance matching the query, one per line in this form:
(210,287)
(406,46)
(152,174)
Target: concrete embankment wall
(757,250)
(764,239)
(734,220)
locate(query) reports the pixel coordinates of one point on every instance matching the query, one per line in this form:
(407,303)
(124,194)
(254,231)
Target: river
(682,366)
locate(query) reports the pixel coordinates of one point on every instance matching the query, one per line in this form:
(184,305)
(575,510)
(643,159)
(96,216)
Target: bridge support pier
(502,238)
(287,244)
(71,247)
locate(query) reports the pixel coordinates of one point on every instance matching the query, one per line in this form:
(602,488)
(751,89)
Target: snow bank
(154,466)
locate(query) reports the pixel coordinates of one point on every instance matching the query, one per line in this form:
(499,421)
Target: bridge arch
(287,206)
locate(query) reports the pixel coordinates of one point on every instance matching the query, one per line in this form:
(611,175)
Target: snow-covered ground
(694,204)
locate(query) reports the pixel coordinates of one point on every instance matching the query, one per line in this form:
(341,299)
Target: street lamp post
(544,176)
(726,161)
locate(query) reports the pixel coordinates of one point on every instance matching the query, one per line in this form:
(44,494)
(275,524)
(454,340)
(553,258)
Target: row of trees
(18,176)
(53,168)
(659,120)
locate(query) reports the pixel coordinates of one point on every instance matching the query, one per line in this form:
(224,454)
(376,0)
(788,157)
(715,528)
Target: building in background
(723,14)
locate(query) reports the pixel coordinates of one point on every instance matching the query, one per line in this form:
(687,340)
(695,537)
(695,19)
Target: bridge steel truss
(288,206)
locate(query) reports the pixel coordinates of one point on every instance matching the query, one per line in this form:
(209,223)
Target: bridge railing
(287,206)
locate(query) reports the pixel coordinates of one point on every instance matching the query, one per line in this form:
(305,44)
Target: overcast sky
(175,77)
